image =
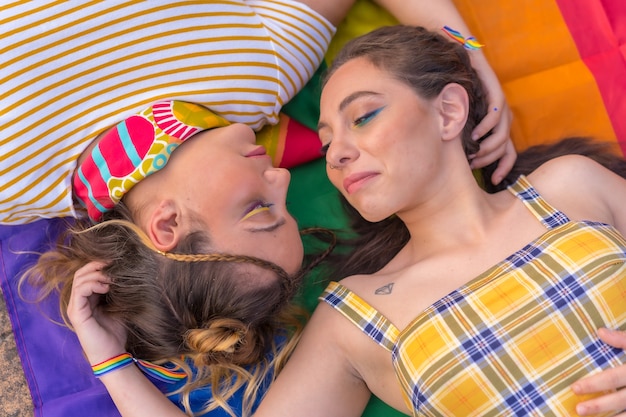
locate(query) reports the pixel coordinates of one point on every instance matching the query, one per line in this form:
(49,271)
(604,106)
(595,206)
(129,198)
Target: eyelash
(357,122)
(366,117)
(257,208)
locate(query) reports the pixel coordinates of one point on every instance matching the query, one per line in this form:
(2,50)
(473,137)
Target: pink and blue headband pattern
(135,148)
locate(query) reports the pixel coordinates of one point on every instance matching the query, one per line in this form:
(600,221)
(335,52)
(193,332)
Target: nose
(278,177)
(341,151)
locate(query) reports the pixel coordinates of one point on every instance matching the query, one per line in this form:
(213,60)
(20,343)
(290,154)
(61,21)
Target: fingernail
(475,136)
(580,410)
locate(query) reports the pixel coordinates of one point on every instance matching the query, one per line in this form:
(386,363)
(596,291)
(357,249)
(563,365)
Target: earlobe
(454,107)
(164,227)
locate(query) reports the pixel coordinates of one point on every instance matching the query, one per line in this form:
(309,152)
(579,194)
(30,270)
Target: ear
(454,108)
(164,226)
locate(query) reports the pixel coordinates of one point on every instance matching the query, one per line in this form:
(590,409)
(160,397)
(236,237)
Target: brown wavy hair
(186,305)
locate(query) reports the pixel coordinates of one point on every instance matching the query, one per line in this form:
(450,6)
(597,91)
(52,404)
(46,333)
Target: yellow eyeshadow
(254,212)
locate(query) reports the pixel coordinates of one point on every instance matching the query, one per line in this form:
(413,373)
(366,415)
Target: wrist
(112,364)
(168,373)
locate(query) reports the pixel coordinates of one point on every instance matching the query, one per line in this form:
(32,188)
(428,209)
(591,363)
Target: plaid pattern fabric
(512,341)
(359,312)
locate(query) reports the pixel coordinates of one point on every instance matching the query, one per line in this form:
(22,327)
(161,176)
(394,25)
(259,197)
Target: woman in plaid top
(492,303)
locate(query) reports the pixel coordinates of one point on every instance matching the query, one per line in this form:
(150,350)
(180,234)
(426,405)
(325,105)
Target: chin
(373,217)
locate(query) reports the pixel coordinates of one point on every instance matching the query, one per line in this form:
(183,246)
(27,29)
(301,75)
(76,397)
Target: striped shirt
(513,340)
(70,70)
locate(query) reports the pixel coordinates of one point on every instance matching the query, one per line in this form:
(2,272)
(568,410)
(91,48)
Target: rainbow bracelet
(469,43)
(113,364)
(162,373)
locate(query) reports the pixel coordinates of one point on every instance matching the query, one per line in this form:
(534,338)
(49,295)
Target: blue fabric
(200,397)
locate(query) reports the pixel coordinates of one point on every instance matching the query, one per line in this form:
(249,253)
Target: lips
(355,181)
(258,151)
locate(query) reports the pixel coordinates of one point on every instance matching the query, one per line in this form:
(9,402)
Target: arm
(333,10)
(318,379)
(610,380)
(103,338)
(434,15)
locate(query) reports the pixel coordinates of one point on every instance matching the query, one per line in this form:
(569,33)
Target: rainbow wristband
(468,43)
(162,373)
(113,364)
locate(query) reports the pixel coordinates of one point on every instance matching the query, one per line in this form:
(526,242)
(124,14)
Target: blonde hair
(185,306)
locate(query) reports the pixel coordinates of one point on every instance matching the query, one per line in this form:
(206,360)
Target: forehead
(356,79)
(358,68)
(359,74)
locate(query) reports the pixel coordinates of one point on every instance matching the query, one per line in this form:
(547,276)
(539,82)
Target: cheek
(285,249)
(294,247)
(334,177)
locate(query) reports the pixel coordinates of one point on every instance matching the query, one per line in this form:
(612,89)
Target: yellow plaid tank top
(512,340)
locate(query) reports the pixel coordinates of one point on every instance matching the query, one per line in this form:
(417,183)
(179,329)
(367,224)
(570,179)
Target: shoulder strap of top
(544,212)
(361,314)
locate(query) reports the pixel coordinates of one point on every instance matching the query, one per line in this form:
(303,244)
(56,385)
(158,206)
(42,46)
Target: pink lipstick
(355,181)
(258,151)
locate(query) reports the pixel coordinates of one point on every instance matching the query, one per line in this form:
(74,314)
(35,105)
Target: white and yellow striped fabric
(70,70)
(513,340)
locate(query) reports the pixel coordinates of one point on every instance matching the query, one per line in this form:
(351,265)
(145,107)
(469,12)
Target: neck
(459,213)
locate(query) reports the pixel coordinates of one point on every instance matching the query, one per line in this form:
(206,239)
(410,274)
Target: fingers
(491,149)
(497,122)
(100,336)
(498,145)
(610,380)
(615,401)
(614,338)
(88,284)
(494,117)
(505,164)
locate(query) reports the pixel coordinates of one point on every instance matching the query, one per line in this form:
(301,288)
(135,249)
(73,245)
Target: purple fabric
(58,376)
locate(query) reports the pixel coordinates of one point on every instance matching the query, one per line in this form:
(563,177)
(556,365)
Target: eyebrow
(269,228)
(349,99)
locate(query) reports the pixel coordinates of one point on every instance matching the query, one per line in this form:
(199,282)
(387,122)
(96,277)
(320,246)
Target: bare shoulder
(580,187)
(567,168)
(569,174)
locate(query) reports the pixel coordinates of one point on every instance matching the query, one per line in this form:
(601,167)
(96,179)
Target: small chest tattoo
(385,289)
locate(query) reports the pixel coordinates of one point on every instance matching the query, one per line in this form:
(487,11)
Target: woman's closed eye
(256,208)
(367,117)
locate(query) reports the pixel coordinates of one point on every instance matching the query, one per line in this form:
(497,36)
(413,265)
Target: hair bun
(222,336)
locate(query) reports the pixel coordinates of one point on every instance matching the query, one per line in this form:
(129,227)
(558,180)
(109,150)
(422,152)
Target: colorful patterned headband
(135,148)
(469,43)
